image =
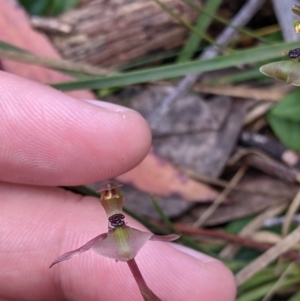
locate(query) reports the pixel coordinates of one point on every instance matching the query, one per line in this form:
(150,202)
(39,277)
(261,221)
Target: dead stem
(241,241)
(270,255)
(146,292)
(221,197)
(49,62)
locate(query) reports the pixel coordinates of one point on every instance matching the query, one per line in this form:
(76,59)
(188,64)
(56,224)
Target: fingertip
(223,281)
(223,278)
(186,276)
(54,139)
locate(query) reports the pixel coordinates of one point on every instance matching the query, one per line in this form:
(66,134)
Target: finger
(38,224)
(49,138)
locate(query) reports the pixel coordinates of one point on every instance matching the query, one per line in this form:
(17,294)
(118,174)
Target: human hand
(50,139)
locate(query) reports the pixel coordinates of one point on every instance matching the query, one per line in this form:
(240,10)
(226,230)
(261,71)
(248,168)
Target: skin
(50,139)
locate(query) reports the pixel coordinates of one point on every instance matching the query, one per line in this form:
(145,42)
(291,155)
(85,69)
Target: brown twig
(258,111)
(242,241)
(273,168)
(270,146)
(241,92)
(50,25)
(221,197)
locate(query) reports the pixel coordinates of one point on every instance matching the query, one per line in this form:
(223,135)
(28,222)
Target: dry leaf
(157,176)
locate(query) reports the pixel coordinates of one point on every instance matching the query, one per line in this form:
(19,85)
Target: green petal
(122,243)
(283,70)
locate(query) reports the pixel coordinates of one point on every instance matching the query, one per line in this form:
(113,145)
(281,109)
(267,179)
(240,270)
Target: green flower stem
(146,292)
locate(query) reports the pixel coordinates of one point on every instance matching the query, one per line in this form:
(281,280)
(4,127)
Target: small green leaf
(287,131)
(35,7)
(59,6)
(236,226)
(284,119)
(289,107)
(283,70)
(47,7)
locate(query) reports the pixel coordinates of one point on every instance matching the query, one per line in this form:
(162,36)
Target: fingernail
(200,256)
(109,106)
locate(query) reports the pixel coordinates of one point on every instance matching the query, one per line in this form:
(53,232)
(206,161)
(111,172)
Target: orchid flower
(121,242)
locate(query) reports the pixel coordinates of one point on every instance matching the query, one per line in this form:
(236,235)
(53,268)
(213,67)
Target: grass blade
(203,23)
(247,56)
(186,24)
